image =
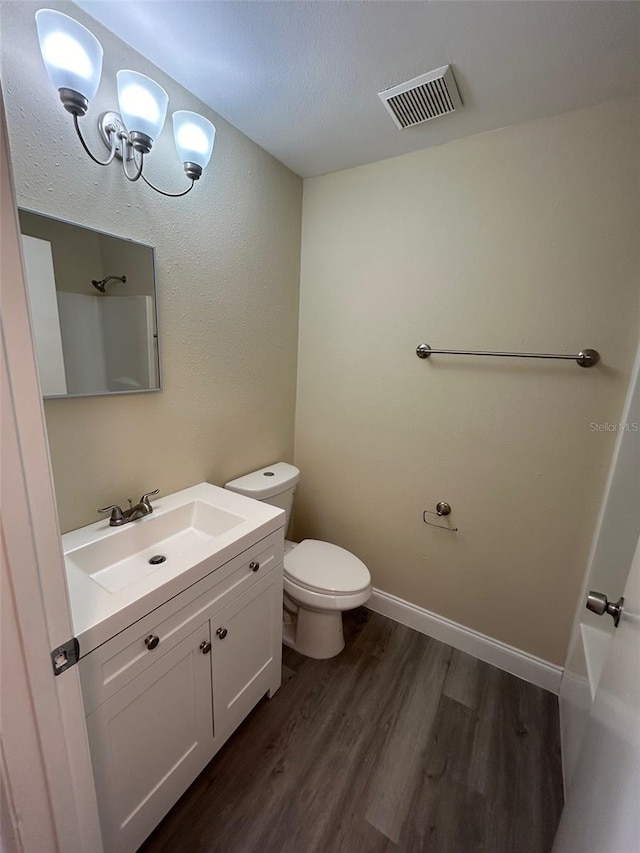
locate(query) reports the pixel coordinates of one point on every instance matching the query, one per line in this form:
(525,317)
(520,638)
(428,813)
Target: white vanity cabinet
(163,695)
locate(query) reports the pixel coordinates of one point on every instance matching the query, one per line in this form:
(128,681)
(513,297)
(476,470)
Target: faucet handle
(145,498)
(117,516)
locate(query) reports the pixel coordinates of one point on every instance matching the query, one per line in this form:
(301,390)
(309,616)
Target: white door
(602,813)
(44,761)
(612,550)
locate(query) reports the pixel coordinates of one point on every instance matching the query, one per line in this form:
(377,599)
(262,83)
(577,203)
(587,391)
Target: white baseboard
(526,666)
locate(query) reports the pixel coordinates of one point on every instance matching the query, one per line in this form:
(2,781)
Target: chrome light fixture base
(73,58)
(109,123)
(140,141)
(73,101)
(192,170)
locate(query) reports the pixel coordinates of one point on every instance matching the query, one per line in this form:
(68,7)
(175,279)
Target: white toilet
(320,580)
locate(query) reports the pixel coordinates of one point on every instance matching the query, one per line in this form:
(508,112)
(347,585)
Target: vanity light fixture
(73,58)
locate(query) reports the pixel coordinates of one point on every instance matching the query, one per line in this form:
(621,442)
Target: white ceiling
(301,78)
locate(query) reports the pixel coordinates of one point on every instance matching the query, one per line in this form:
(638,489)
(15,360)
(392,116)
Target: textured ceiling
(301,78)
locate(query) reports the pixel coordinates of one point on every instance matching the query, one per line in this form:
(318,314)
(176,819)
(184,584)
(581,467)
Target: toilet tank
(275,485)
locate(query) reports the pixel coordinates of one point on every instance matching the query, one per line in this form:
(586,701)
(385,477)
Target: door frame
(47,780)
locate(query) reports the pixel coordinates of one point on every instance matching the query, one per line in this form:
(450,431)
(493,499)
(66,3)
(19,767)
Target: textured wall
(522,239)
(227,272)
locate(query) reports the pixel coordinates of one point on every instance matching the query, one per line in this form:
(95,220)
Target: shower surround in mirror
(92,309)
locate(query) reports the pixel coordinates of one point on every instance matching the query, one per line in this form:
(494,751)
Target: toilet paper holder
(443,508)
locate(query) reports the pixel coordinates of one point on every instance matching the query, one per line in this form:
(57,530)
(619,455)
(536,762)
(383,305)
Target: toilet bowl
(321,580)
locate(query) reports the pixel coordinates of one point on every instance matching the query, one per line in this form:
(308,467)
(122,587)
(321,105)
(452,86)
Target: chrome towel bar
(585,358)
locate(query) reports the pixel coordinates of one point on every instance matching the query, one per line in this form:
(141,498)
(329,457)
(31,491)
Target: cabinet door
(247,652)
(150,740)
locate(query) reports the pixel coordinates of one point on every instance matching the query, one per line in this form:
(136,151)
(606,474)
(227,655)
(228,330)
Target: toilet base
(314,634)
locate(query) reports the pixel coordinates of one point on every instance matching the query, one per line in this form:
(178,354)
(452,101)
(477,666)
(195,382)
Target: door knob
(222,633)
(152,641)
(205,647)
(254,566)
(597,602)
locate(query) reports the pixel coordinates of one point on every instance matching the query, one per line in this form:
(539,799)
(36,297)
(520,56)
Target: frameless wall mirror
(93,309)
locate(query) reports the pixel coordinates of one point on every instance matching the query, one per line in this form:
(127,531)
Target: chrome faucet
(120,516)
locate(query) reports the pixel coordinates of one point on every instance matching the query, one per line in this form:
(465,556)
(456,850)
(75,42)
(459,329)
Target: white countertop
(99,614)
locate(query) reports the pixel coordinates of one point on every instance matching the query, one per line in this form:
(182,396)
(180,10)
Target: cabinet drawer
(115,663)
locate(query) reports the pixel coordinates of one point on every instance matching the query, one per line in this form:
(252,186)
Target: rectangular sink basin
(120,560)
(110,578)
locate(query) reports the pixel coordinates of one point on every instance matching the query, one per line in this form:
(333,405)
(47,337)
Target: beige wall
(522,239)
(227,268)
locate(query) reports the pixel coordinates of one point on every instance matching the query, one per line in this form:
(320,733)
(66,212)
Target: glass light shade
(71,54)
(194,136)
(142,103)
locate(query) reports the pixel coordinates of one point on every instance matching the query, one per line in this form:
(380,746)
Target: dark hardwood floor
(400,743)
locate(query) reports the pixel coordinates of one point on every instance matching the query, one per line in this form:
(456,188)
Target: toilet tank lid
(266,482)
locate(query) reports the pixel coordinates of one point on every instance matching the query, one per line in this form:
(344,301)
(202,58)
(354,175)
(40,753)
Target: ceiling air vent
(423,98)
